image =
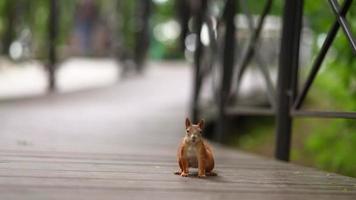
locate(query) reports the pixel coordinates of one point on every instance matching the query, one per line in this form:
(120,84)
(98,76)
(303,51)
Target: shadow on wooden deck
(120,143)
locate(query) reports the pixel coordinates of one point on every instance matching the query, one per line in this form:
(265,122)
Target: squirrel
(194,152)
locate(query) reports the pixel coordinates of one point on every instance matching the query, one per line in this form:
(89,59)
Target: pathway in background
(29,78)
(119,118)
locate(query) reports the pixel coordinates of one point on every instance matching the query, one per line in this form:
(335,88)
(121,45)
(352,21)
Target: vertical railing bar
(295,67)
(197,62)
(320,57)
(228,66)
(141,34)
(52,38)
(9,30)
(344,24)
(289,54)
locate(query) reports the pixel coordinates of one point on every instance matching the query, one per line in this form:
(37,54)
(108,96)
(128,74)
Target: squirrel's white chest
(191,155)
(191,152)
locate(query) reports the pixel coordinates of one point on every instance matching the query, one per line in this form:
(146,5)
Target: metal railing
(285,100)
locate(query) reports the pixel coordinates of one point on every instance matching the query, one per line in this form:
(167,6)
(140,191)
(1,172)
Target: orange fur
(194,152)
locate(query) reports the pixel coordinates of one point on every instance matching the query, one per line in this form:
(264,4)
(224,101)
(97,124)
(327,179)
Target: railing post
(198,78)
(227,68)
(10,13)
(144,8)
(184,14)
(287,75)
(52,36)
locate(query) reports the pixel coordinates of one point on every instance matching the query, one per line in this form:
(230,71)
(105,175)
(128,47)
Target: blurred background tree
(17,16)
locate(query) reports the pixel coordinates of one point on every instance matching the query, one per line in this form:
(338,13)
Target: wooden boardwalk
(120,143)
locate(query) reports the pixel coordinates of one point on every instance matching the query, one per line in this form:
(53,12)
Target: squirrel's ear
(201,124)
(187,122)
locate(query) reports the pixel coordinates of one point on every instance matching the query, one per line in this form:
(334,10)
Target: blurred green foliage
(333,144)
(33,15)
(163,13)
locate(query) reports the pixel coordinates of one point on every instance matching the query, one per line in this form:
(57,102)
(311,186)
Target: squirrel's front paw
(184,174)
(201,175)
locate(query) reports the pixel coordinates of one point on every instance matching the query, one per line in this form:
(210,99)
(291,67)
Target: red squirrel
(194,152)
